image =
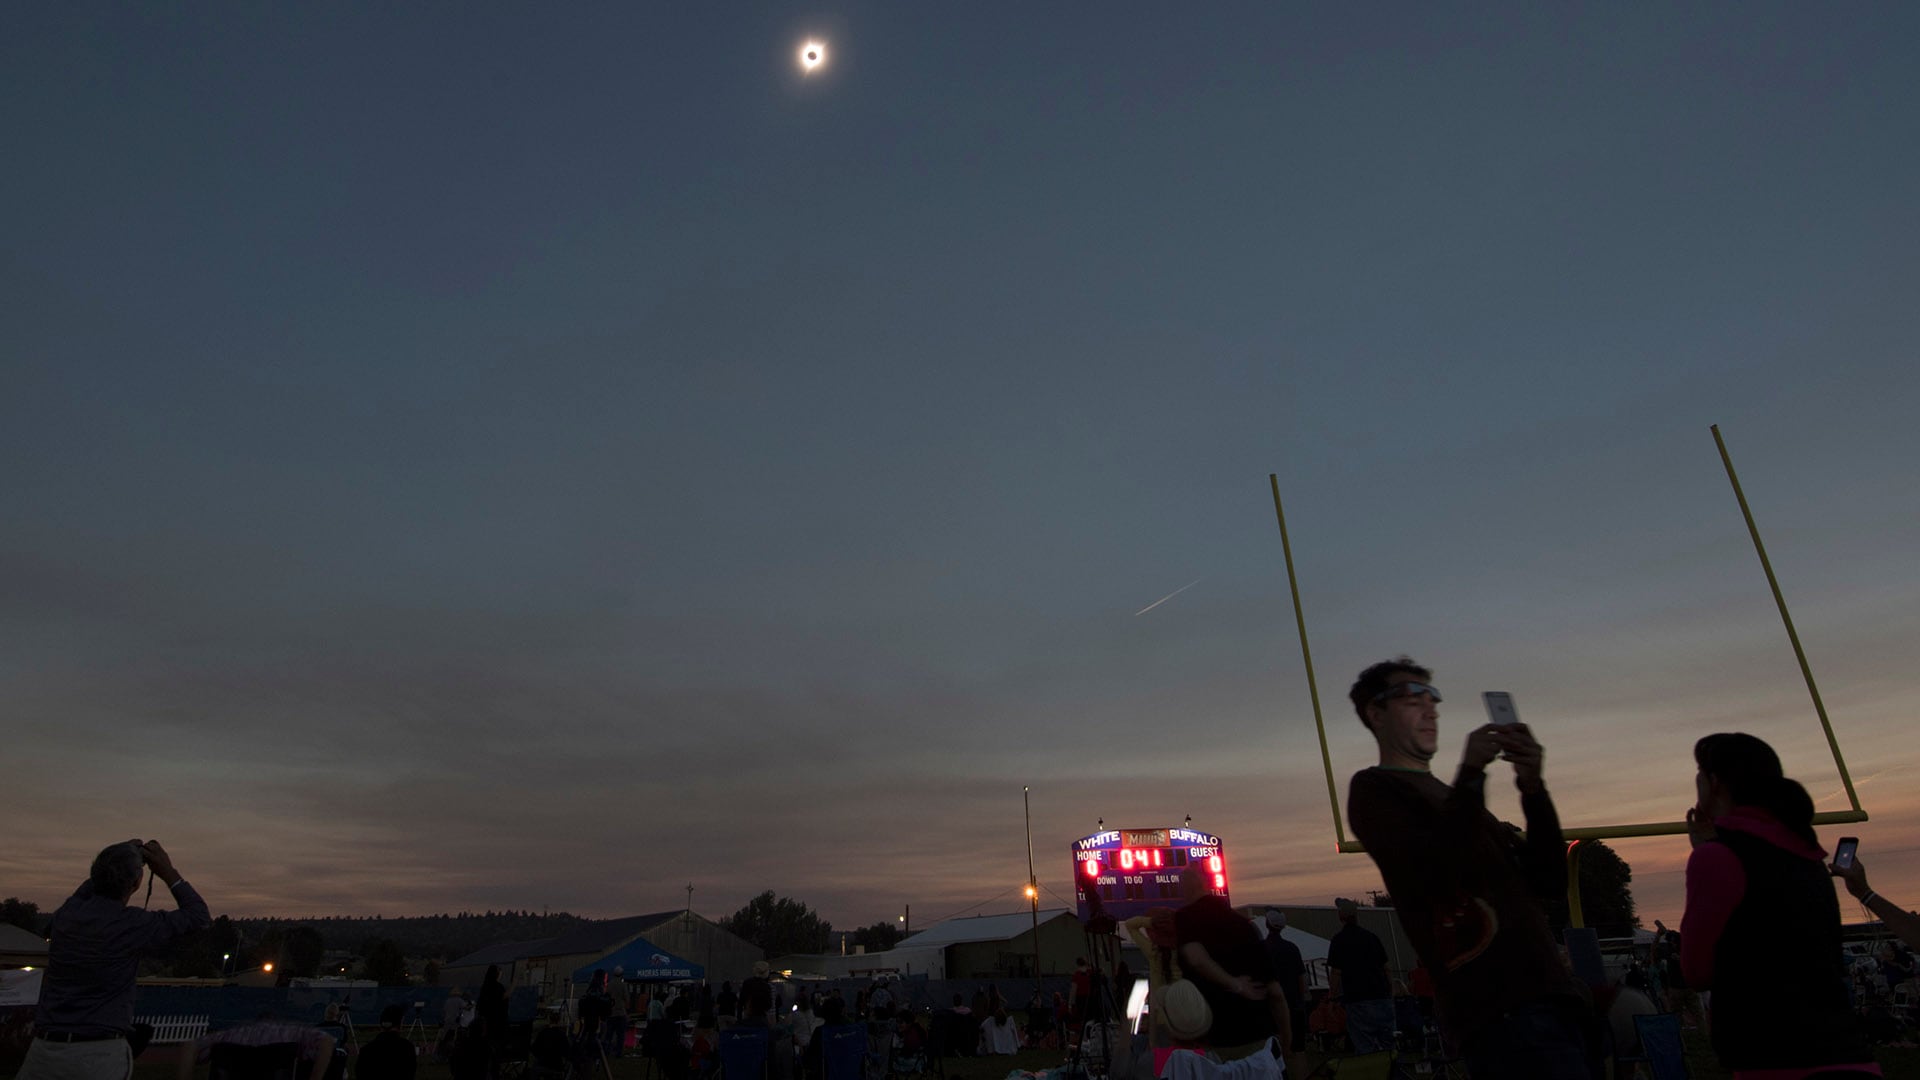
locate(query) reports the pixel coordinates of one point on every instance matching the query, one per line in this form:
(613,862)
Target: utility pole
(1033,883)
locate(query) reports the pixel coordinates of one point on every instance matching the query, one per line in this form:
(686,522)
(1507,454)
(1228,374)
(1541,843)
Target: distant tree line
(21,913)
(350,946)
(780,925)
(443,937)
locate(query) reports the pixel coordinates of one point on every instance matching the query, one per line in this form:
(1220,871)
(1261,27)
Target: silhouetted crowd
(1758,962)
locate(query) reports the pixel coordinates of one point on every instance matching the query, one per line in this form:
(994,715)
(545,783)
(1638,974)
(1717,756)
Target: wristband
(1867,900)
(177,883)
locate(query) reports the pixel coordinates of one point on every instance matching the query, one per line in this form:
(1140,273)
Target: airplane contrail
(1170,596)
(1860,783)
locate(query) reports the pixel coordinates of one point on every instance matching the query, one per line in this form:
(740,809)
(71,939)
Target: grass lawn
(1900,1063)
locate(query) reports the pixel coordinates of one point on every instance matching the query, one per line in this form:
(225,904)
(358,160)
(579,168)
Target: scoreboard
(1135,870)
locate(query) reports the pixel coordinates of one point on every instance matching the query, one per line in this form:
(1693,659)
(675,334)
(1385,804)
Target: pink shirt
(1716,883)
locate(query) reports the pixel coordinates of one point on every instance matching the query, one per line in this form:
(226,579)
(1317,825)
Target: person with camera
(1779,1005)
(1905,924)
(1469,888)
(85,1015)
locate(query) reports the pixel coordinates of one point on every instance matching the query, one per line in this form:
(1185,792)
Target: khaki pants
(106,1059)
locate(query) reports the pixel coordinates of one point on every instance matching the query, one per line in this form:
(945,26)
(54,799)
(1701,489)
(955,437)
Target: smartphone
(1844,850)
(1500,708)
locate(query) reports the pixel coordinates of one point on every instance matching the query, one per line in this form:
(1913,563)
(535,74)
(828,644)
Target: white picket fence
(174,1029)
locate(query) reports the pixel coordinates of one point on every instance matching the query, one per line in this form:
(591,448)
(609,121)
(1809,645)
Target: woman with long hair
(1762,925)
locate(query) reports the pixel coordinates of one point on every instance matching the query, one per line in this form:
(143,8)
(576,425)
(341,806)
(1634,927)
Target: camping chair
(274,1061)
(550,1054)
(843,1051)
(1375,1066)
(1039,1025)
(904,1062)
(1410,1028)
(1660,1046)
(879,1060)
(342,1039)
(941,1031)
(516,1044)
(1327,1026)
(743,1053)
(660,1046)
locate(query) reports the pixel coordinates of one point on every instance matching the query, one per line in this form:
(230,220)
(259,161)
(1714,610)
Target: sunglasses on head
(1407,689)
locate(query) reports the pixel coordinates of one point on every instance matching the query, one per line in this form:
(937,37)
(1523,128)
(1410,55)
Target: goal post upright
(1577,836)
(1780,601)
(1306,654)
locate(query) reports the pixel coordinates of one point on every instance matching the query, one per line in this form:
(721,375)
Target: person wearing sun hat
(1220,951)
(1190,1020)
(1184,1010)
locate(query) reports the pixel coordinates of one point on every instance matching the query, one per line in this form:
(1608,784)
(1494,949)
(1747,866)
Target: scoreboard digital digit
(1135,870)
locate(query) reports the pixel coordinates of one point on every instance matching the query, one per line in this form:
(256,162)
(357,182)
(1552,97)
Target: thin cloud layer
(525,494)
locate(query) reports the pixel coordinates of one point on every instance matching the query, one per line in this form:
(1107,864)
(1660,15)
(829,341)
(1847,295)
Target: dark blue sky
(448,444)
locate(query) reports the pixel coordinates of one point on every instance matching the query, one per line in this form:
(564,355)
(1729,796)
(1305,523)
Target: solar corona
(1132,871)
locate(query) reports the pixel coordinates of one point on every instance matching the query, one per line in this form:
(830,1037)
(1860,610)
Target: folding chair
(902,1062)
(1660,1046)
(516,1044)
(941,1031)
(1039,1026)
(660,1046)
(743,1053)
(342,1040)
(879,1050)
(843,1051)
(274,1061)
(1409,1026)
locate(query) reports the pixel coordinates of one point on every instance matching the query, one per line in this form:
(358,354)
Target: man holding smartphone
(86,1001)
(1468,887)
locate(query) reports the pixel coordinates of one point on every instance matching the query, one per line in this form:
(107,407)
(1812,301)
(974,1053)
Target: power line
(974,907)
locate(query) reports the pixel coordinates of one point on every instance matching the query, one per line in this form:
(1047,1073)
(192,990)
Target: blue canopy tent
(641,960)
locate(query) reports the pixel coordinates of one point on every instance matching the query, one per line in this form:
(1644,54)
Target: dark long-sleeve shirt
(1468,888)
(94,954)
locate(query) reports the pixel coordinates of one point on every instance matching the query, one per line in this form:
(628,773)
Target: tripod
(1096,1026)
(352,1042)
(601,1049)
(417,1031)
